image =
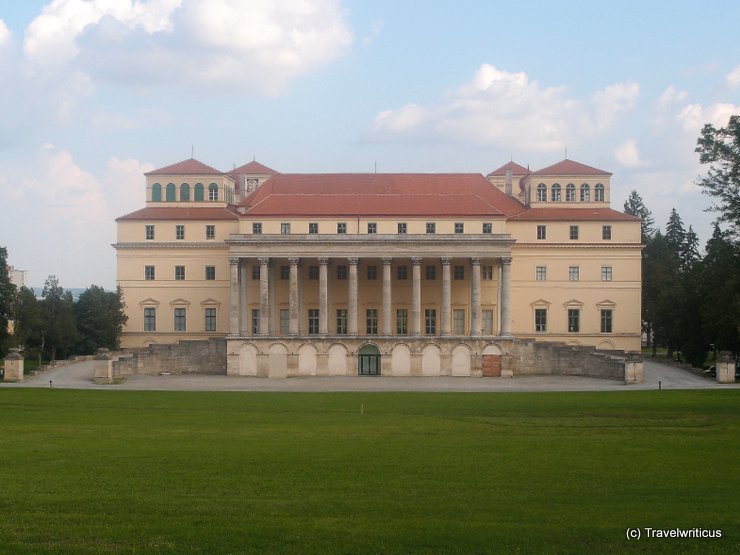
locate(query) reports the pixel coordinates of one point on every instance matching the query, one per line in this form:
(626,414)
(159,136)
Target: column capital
(324,260)
(416,260)
(353,261)
(264,260)
(475,261)
(234,260)
(445,260)
(387,261)
(506,261)
(294,260)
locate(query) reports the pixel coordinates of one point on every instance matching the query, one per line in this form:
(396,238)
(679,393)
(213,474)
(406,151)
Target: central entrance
(368,361)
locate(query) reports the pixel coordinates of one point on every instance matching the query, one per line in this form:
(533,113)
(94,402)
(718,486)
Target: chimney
(508,182)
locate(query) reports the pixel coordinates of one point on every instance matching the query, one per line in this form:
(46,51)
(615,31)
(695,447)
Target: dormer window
(156,193)
(570,193)
(585,193)
(170,192)
(599,192)
(541,192)
(199,193)
(213,192)
(556,192)
(184,192)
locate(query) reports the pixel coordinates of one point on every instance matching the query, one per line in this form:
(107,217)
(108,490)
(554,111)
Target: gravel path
(79,376)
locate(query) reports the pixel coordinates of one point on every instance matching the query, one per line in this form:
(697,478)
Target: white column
(475,298)
(243,301)
(446,297)
(293,296)
(416,296)
(324,296)
(387,329)
(234,296)
(352,312)
(264,297)
(506,297)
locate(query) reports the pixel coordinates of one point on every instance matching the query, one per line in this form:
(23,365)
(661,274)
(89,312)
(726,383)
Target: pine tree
(675,234)
(634,206)
(7,295)
(60,332)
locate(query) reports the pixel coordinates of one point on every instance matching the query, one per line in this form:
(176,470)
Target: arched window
(171,192)
(213,192)
(541,192)
(570,193)
(184,192)
(198,192)
(556,192)
(599,192)
(585,193)
(156,193)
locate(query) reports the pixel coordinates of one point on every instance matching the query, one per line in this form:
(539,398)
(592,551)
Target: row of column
(238,292)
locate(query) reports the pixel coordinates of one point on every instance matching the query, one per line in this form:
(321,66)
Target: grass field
(163,472)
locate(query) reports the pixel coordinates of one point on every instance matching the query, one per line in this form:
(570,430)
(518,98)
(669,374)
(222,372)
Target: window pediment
(149,302)
(180,302)
(541,303)
(573,303)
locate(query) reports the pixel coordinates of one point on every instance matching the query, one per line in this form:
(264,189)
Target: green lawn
(154,472)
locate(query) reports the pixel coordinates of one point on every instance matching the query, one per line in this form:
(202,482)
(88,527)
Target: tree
(7,294)
(100,319)
(60,332)
(634,206)
(28,326)
(675,234)
(689,253)
(720,148)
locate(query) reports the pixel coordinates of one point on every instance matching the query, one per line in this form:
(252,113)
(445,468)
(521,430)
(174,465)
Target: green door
(368,361)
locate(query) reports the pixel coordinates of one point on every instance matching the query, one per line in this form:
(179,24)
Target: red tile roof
(515,168)
(573,214)
(189,166)
(570,167)
(253,167)
(181,213)
(379,195)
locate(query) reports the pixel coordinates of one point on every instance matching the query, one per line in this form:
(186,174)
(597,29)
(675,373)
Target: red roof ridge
(181,213)
(252,167)
(515,168)
(570,167)
(188,166)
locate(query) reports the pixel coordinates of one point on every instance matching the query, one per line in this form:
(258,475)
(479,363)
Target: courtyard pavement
(79,376)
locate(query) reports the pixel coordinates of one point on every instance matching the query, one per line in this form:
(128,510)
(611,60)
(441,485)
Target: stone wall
(552,358)
(206,356)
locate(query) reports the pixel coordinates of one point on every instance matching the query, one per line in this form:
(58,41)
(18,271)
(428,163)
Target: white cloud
(376,27)
(508,109)
(670,97)
(4,33)
(733,78)
(628,155)
(694,116)
(256,45)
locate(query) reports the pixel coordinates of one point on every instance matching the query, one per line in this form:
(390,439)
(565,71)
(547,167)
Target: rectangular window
(488,322)
(341,272)
(210,319)
(313,272)
(487,272)
(574,232)
(372,228)
(541,232)
(341,228)
(402,321)
(180,321)
(179,232)
(458,322)
(210,273)
(402,229)
(606,232)
(256,271)
(313,228)
(341,321)
(459,227)
(284,272)
(487,228)
(574,273)
(179,273)
(606,273)
(401,272)
(313,321)
(285,228)
(149,232)
(430,321)
(372,272)
(540,320)
(431,272)
(574,320)
(257,229)
(371,319)
(459,272)
(150,319)
(255,321)
(431,228)
(284,321)
(606,321)
(149,273)
(210,232)
(540,273)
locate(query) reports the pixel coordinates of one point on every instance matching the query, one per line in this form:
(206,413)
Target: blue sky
(95,92)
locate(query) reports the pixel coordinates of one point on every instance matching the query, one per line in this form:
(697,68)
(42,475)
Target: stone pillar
(475,325)
(293,296)
(264,297)
(352,312)
(103,367)
(13,366)
(633,369)
(416,296)
(243,304)
(234,297)
(387,329)
(725,368)
(505,297)
(446,297)
(324,296)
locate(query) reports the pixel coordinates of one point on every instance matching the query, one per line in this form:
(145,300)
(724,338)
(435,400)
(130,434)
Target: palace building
(393,274)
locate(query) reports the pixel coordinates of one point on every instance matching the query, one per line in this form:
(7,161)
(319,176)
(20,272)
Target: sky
(97,92)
